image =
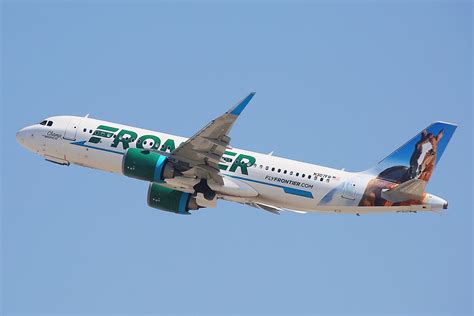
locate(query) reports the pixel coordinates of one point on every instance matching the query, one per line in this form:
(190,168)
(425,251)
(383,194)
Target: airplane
(189,174)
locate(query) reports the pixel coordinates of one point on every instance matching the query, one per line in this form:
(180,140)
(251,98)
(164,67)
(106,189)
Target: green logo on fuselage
(241,161)
(231,161)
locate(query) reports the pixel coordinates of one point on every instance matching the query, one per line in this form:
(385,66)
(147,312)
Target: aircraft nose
(24,136)
(20,136)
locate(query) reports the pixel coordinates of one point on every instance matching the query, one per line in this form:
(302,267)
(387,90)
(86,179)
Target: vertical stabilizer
(418,157)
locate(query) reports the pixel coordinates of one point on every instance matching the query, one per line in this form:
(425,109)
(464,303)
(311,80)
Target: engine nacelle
(170,200)
(146,165)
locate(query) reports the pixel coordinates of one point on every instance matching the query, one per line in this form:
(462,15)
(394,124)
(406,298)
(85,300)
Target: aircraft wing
(199,156)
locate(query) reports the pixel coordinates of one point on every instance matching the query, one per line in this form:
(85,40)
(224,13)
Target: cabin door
(71,130)
(350,189)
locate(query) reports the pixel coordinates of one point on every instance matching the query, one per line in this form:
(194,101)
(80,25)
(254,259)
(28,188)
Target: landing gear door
(71,129)
(350,189)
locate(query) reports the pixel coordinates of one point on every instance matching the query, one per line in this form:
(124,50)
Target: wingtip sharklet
(239,107)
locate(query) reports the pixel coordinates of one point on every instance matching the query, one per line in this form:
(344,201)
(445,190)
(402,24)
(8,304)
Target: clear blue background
(337,84)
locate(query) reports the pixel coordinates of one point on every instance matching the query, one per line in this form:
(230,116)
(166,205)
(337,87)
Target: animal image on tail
(401,177)
(424,157)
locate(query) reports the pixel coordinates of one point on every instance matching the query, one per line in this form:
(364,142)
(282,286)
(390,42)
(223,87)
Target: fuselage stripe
(288,190)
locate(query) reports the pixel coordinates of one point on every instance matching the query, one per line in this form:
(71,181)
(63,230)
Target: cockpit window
(50,123)
(44,122)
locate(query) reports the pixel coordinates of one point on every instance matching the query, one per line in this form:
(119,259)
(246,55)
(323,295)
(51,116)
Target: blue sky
(338,84)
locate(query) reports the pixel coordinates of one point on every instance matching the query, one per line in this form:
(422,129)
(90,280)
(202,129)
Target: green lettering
(168,145)
(125,137)
(107,128)
(242,162)
(156,141)
(226,159)
(94,140)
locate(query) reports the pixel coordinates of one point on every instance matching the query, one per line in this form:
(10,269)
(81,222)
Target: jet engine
(147,165)
(170,200)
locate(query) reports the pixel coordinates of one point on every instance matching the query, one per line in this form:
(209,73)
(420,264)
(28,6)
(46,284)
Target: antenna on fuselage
(87,115)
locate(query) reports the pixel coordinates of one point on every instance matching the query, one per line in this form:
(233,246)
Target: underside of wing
(199,156)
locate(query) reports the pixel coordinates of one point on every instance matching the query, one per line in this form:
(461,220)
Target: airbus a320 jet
(187,174)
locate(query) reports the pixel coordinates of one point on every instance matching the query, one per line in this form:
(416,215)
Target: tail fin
(418,157)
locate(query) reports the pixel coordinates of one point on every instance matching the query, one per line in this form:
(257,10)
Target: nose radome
(25,137)
(20,136)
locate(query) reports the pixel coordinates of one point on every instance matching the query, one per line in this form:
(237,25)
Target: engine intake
(170,200)
(146,165)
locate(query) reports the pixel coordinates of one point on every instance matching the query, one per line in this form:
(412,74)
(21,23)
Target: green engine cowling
(170,200)
(146,165)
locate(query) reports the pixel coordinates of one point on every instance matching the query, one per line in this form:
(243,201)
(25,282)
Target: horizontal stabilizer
(410,190)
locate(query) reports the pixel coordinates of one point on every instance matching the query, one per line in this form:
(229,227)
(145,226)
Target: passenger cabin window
(50,123)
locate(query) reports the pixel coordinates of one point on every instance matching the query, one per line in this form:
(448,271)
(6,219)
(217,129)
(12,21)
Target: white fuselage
(280,182)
